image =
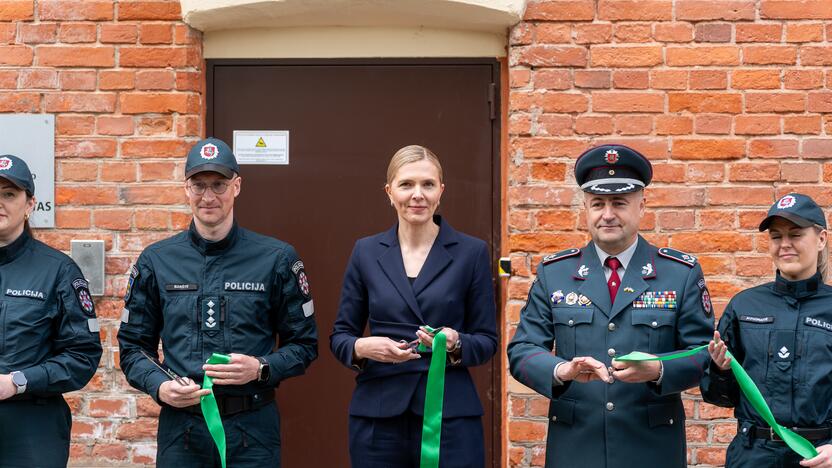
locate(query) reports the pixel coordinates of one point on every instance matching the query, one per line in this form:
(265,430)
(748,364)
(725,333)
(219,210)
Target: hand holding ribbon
(210,410)
(434,399)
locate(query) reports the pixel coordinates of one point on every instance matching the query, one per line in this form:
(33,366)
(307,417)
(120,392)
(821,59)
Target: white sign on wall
(31,137)
(261,146)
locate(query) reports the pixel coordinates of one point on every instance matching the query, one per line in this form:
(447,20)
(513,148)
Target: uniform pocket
(755,347)
(658,325)
(562,411)
(571,323)
(664,414)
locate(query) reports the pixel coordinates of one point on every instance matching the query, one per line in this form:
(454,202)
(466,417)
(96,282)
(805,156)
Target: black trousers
(746,452)
(397,442)
(35,433)
(252,439)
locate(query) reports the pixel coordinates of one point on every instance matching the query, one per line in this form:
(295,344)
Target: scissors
(171,374)
(415,343)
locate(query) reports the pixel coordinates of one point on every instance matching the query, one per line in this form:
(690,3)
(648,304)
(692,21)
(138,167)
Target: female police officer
(781,333)
(49,340)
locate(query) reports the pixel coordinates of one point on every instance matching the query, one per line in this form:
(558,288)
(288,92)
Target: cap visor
(17,183)
(228,173)
(611,188)
(800,221)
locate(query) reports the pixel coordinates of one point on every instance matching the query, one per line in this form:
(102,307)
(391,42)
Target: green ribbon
(801,446)
(434,398)
(210,410)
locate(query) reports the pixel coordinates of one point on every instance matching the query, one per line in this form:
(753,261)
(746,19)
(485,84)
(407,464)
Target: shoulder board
(560,255)
(678,255)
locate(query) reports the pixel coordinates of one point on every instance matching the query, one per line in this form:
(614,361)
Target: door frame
(496,99)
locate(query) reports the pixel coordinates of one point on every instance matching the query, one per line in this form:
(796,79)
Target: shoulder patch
(300,277)
(134,274)
(82,293)
(678,255)
(560,255)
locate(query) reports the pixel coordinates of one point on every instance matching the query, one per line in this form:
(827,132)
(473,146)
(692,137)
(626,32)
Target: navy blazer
(455,288)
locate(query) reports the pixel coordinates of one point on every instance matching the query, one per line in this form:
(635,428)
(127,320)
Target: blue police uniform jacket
(235,295)
(662,305)
(48,328)
(781,334)
(454,289)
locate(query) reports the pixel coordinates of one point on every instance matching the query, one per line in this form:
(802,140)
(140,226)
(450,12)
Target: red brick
(38,33)
(543,242)
(754,32)
(724,433)
(633,124)
(152,126)
(633,32)
(552,33)
(77,80)
(78,32)
(708,79)
(802,124)
(775,102)
(33,78)
(17,10)
(795,9)
(803,32)
(151,10)
(540,195)
(635,10)
(8,79)
(116,80)
(184,35)
(593,125)
(713,32)
(118,172)
(591,79)
(553,79)
(708,149)
(673,125)
(85,195)
(676,219)
(155,148)
(801,171)
(626,56)
(754,172)
(815,55)
(154,195)
(78,171)
(668,79)
(702,55)
(755,79)
(130,56)
(593,33)
(157,171)
(630,79)
(803,79)
(19,102)
(703,10)
(520,34)
(710,456)
(75,10)
(155,80)
(84,147)
(115,125)
(74,125)
(716,220)
(757,125)
(773,148)
(673,196)
(156,33)
(706,172)
(76,56)
(696,242)
(552,56)
(151,219)
(820,102)
(16,55)
(817,148)
(673,32)
(560,10)
(141,103)
(750,219)
(191,81)
(556,220)
(116,220)
(705,102)
(8,32)
(827,172)
(564,102)
(627,102)
(713,124)
(519,124)
(140,429)
(118,33)
(109,451)
(668,173)
(79,102)
(769,55)
(519,78)
(651,147)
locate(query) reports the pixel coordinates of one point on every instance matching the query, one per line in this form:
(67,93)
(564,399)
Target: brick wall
(125,81)
(731,102)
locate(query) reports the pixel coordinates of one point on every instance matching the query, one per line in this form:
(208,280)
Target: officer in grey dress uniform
(615,295)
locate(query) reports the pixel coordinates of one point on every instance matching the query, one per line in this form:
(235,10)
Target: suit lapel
(594,283)
(393,267)
(438,258)
(641,268)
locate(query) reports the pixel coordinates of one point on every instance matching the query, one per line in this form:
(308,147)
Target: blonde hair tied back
(410,154)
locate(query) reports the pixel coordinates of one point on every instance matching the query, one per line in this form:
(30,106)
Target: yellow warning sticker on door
(260,143)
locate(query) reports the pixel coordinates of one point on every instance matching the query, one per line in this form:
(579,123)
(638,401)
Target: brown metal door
(346,119)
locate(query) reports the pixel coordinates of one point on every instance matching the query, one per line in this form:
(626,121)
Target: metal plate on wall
(31,137)
(89,255)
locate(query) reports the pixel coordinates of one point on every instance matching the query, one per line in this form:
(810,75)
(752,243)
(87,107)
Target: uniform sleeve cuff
(37,380)
(153,382)
(555,378)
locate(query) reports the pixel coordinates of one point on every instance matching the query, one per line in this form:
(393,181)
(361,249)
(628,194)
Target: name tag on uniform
(756,319)
(181,287)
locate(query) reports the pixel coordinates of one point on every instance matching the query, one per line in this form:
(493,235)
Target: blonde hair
(823,255)
(410,154)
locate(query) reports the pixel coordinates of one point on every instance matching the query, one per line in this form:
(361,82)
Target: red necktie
(614,282)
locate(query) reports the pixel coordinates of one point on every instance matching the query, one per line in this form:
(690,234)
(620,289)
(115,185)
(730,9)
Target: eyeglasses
(199,188)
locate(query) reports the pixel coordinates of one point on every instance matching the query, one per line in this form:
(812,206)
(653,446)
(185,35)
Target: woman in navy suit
(419,272)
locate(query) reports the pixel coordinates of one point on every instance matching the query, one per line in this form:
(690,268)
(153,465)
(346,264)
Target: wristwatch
(455,360)
(19,381)
(265,372)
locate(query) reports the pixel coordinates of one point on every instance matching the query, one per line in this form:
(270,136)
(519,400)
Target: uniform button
(554,418)
(610,406)
(671,421)
(611,352)
(611,326)
(571,322)
(654,324)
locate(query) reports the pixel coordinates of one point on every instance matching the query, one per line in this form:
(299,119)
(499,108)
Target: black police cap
(211,155)
(612,169)
(16,171)
(797,208)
